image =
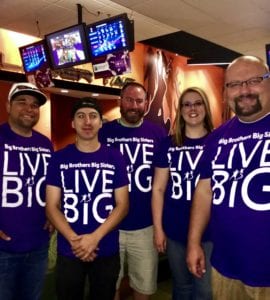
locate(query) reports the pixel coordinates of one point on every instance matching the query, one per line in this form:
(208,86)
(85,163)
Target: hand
(91,257)
(160,240)
(85,246)
(4,236)
(196,260)
(48,226)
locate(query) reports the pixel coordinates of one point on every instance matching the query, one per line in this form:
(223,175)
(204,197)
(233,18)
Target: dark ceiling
(194,47)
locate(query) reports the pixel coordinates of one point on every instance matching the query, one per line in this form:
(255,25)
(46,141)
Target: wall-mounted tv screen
(36,64)
(33,56)
(110,35)
(267,49)
(67,47)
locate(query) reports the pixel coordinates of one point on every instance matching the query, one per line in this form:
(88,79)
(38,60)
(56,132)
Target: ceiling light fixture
(208,62)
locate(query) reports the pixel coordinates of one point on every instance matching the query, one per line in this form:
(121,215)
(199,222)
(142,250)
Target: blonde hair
(178,131)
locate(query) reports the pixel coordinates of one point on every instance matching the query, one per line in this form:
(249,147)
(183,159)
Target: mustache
(133,110)
(250,96)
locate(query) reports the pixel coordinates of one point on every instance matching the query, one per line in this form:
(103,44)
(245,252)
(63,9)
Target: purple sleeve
(53,173)
(161,155)
(121,177)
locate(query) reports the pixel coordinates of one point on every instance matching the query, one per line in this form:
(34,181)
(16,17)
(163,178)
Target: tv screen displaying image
(36,64)
(33,56)
(67,47)
(110,35)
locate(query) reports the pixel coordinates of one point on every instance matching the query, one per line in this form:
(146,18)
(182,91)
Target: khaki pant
(225,288)
(137,250)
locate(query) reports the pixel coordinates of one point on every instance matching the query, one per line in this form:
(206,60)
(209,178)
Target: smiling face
(249,101)
(87,123)
(133,104)
(23,111)
(193,109)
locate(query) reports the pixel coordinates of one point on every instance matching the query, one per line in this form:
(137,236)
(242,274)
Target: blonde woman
(174,182)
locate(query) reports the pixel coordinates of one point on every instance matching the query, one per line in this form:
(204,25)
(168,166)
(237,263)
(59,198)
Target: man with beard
(137,139)
(24,234)
(233,191)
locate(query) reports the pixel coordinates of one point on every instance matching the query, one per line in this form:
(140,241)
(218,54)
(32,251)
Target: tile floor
(164,291)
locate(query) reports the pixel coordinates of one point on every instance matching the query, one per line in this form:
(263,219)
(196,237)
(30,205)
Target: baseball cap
(86,102)
(26,88)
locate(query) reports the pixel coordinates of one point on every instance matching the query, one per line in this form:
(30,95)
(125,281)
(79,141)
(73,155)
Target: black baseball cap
(86,102)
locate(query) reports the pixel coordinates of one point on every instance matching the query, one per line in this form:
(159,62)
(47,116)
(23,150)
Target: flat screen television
(267,50)
(36,64)
(110,35)
(34,56)
(67,47)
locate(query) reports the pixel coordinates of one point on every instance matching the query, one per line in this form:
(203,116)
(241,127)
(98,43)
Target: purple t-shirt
(237,159)
(138,145)
(23,165)
(87,182)
(182,162)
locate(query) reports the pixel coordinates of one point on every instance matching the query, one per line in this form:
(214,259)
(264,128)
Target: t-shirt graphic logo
(30,181)
(86,198)
(130,168)
(237,175)
(188,176)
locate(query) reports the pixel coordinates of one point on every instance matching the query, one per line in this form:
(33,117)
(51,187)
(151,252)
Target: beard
(132,116)
(23,123)
(244,110)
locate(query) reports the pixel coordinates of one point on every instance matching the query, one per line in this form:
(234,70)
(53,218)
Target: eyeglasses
(250,82)
(131,100)
(189,105)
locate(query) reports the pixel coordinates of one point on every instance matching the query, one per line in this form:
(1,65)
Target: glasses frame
(253,81)
(189,105)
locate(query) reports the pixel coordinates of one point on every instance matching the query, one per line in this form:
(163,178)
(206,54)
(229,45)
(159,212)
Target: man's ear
(8,107)
(147,106)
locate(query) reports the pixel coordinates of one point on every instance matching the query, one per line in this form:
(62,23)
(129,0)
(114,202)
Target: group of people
(126,191)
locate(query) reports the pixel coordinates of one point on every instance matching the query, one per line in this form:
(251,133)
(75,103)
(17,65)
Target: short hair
(179,125)
(135,84)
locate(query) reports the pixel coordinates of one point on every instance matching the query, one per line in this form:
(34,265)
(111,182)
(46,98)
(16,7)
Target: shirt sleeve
(161,158)
(53,173)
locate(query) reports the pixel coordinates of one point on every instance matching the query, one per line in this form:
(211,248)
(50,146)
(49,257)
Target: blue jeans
(22,274)
(185,285)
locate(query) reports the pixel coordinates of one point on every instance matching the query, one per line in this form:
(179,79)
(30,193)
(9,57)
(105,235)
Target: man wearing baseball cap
(86,198)
(26,88)
(24,232)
